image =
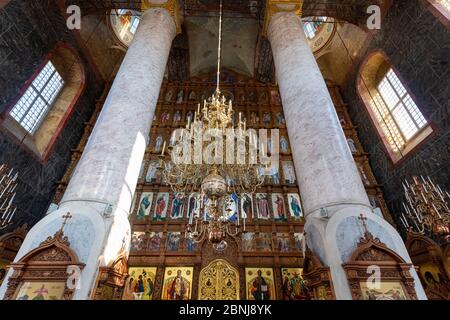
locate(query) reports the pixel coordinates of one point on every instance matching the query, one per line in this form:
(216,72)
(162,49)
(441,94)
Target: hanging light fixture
(213,177)
(8,185)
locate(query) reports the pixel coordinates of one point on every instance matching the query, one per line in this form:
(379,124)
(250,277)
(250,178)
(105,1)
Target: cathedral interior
(354,96)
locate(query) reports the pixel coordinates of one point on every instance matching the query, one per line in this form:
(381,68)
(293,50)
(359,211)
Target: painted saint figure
(40,293)
(161,207)
(158,143)
(280,210)
(260,289)
(144,207)
(352,146)
(284,144)
(178,289)
(180,96)
(263,206)
(177,206)
(294,205)
(247,206)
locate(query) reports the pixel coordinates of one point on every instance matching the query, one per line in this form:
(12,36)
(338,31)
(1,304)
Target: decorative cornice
(172,6)
(275,6)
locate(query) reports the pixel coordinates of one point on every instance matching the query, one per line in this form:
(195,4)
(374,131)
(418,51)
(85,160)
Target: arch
(393,273)
(111,280)
(317,277)
(398,142)
(10,243)
(69,65)
(440,9)
(46,265)
(429,260)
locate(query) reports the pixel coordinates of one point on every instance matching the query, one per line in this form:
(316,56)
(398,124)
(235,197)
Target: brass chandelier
(198,165)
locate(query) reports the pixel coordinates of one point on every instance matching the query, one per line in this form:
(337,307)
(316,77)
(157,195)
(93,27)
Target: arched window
(396,115)
(444,4)
(35,103)
(440,8)
(39,113)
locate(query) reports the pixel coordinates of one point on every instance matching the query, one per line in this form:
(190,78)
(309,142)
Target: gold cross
(66,217)
(363,220)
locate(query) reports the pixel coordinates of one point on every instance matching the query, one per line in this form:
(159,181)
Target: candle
(12,215)
(417,227)
(423,197)
(163,149)
(437,211)
(7,187)
(407,183)
(406,221)
(198,109)
(403,222)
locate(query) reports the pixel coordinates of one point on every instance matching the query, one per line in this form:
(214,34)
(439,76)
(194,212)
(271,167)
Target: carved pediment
(52,254)
(374,254)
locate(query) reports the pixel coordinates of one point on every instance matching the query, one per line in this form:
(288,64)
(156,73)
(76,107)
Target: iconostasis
(264,262)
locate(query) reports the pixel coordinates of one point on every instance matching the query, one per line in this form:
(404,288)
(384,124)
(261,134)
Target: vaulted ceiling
(245,50)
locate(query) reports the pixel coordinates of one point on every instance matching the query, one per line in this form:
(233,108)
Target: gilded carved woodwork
(10,243)
(317,277)
(430,262)
(111,280)
(47,263)
(276,6)
(172,6)
(219,281)
(370,252)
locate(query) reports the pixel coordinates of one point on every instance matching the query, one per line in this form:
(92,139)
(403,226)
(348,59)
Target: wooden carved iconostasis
(269,255)
(395,282)
(43,274)
(318,278)
(430,262)
(9,246)
(110,282)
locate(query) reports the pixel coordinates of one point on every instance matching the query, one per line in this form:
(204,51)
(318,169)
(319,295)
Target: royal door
(219,281)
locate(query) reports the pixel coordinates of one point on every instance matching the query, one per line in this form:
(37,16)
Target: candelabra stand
(8,185)
(426,210)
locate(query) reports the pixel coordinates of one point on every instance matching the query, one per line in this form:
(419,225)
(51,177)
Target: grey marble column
(109,167)
(101,189)
(324,164)
(327,174)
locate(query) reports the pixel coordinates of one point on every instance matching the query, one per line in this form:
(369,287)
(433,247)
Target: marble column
(327,175)
(102,187)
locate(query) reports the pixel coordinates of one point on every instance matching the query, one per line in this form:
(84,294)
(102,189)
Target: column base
(334,239)
(96,238)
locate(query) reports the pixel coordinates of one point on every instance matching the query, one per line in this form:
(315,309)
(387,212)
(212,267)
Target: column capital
(275,6)
(172,6)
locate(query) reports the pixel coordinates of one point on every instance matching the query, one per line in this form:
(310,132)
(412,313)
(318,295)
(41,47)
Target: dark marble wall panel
(418,45)
(29,29)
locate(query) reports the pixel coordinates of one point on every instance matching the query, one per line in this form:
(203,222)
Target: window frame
(10,127)
(415,142)
(401,104)
(39,94)
(438,11)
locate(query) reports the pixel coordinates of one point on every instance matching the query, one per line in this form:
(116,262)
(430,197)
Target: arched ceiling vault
(245,50)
